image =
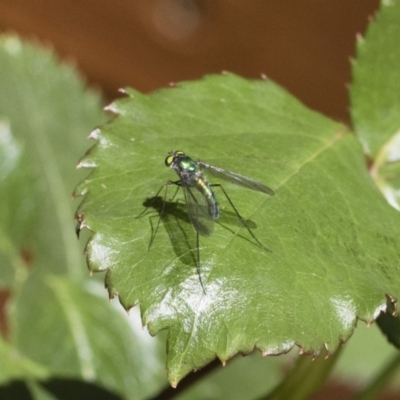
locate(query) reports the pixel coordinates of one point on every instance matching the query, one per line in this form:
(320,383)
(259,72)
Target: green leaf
(334,240)
(54,317)
(15,366)
(375,90)
(43,105)
(88,337)
(19,205)
(375,97)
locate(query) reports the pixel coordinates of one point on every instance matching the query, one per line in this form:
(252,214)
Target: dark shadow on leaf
(174,217)
(230,218)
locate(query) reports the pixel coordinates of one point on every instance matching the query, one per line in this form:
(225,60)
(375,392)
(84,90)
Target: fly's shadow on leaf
(173,214)
(230,218)
(174,217)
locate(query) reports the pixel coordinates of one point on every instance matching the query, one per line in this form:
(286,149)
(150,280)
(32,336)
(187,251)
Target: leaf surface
(333,239)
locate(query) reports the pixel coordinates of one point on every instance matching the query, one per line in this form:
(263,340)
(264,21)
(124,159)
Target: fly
(201,202)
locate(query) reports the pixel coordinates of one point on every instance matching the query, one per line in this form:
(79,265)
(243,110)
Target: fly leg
(160,210)
(241,219)
(198,261)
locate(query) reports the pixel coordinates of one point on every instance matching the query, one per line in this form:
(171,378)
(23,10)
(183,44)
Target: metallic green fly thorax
(187,164)
(190,176)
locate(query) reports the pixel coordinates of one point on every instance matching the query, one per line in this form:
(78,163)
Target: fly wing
(236,178)
(198,211)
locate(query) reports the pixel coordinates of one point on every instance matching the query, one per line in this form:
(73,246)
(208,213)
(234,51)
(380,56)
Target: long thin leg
(198,261)
(166,185)
(242,220)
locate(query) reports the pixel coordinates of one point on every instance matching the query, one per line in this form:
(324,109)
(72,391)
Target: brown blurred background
(303,45)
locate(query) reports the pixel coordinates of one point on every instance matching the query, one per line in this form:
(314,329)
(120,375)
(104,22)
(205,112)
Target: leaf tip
(77,230)
(94,134)
(112,293)
(111,108)
(314,355)
(359,38)
(80,223)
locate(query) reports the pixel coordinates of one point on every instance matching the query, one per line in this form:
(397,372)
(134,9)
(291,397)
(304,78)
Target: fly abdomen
(213,209)
(213,206)
(205,189)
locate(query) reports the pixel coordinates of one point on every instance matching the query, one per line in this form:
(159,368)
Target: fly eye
(169,160)
(179,153)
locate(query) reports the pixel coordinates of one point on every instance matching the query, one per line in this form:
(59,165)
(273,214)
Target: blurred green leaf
(375,97)
(18,204)
(375,89)
(16,366)
(43,105)
(55,318)
(89,339)
(334,240)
